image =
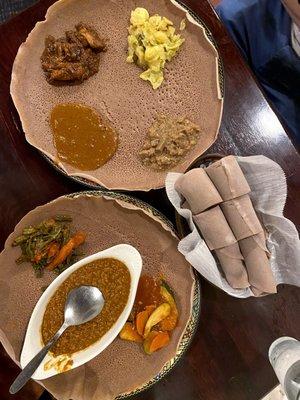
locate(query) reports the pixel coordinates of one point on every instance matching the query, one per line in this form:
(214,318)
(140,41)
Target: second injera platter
(129,104)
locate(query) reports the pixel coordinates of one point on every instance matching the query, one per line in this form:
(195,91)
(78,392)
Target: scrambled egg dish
(151,42)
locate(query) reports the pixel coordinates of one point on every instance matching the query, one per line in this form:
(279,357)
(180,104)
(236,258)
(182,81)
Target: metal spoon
(83,304)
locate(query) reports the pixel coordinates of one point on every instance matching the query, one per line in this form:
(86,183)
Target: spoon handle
(31,367)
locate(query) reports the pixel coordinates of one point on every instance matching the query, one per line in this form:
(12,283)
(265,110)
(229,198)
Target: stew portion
(112,277)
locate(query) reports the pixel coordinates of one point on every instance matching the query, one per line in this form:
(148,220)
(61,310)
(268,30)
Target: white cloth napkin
(268,194)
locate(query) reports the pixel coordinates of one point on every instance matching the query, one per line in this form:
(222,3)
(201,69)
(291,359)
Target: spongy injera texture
(123,366)
(127,102)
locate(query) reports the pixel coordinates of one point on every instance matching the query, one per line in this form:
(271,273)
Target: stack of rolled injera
(218,197)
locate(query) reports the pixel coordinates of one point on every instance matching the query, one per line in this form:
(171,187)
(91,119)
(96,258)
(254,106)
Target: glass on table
(284,356)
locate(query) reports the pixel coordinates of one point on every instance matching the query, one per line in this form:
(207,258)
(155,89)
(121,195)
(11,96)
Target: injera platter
(108,219)
(128,103)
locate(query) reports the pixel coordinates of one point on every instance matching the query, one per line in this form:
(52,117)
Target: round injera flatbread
(190,89)
(123,366)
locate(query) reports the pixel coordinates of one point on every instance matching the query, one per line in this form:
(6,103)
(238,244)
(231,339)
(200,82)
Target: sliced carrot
(160,340)
(67,249)
(64,252)
(155,341)
(79,238)
(142,318)
(53,250)
(129,333)
(140,321)
(148,340)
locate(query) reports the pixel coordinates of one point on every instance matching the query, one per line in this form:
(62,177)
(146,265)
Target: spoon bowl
(83,304)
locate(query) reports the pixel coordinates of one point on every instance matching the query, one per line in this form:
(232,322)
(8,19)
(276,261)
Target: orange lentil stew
(112,277)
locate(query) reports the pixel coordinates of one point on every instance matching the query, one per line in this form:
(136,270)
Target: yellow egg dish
(151,42)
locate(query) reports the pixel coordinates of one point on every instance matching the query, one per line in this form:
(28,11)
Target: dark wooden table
(228,357)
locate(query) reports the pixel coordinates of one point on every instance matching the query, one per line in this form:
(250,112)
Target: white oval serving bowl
(33,342)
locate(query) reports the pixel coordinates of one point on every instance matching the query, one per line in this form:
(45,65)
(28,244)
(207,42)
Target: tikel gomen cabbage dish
(151,42)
